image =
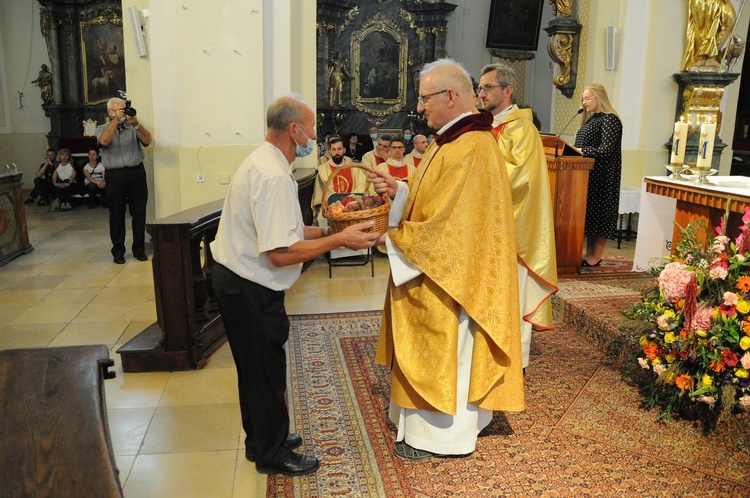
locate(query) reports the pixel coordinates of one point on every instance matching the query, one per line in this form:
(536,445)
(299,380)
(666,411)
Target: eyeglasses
(488,88)
(423,98)
(586,99)
(397,147)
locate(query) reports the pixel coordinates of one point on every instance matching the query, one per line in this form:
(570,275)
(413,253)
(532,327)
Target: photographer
(120,145)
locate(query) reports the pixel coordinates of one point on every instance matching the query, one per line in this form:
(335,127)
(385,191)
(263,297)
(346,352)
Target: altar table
(667,203)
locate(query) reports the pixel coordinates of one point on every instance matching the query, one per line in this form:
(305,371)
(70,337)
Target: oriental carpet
(582,432)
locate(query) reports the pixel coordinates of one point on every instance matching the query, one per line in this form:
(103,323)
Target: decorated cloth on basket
(694,340)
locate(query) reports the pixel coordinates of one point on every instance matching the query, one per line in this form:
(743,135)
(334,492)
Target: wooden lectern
(568,184)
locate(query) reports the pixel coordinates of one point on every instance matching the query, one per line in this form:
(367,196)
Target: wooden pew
(54,439)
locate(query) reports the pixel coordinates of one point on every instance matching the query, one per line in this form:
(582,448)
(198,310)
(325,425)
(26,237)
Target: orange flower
(684,382)
(723,257)
(743,284)
(716,366)
(746,326)
(684,334)
(650,349)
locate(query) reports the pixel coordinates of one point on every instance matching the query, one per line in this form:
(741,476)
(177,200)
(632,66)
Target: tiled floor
(174,434)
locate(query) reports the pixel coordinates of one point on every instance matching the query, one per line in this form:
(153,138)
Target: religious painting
(514,24)
(103,60)
(379,57)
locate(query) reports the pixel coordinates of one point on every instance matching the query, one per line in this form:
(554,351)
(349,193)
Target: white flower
(659,369)
(709,400)
(643,362)
(717,272)
(745,402)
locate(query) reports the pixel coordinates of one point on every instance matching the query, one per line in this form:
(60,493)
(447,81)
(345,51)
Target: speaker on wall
(140,36)
(611,42)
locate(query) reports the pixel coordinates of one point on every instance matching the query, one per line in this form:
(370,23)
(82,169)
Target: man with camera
(121,143)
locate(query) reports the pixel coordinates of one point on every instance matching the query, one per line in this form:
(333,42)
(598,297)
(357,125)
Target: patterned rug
(593,306)
(610,265)
(582,432)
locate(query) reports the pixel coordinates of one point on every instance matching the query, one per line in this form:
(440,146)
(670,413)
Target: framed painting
(514,24)
(103,60)
(379,52)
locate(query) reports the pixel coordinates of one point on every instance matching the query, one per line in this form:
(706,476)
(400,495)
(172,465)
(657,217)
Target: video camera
(129,110)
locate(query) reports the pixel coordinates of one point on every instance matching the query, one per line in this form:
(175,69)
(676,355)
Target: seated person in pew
(420,146)
(397,165)
(380,154)
(94,183)
(43,180)
(63,179)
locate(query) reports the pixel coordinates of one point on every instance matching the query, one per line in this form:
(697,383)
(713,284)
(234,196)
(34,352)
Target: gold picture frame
(379,51)
(103,59)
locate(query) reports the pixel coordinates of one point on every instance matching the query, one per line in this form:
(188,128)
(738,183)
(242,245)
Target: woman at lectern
(600,137)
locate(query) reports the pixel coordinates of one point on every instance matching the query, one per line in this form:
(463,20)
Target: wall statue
(44,82)
(337,72)
(710,25)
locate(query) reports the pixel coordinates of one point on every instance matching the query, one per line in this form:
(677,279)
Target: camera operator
(120,145)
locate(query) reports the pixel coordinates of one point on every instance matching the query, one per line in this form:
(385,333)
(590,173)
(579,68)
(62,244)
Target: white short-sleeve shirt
(261,213)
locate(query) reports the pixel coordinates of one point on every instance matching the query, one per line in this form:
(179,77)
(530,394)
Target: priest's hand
(383,183)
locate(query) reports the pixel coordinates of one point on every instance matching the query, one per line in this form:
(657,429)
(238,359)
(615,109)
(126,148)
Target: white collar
(451,123)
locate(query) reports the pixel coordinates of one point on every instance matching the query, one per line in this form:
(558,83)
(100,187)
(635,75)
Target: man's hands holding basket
(384,183)
(353,237)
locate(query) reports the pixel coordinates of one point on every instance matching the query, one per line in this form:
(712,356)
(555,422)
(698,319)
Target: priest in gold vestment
(450,330)
(523,153)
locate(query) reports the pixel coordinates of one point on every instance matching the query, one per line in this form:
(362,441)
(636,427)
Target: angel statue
(44,81)
(709,26)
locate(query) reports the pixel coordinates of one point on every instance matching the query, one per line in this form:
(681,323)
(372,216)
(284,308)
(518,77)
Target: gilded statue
(562,8)
(709,26)
(44,81)
(337,72)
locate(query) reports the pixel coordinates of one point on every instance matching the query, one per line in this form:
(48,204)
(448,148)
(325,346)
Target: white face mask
(407,137)
(374,136)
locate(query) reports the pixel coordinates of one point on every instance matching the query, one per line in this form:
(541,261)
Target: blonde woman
(600,137)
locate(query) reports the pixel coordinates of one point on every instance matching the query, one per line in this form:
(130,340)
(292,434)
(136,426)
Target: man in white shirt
(259,249)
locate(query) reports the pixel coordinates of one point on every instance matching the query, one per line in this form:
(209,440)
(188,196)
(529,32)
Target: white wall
(22,53)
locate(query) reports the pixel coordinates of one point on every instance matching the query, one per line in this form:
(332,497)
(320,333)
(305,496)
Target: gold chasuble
(457,228)
(526,164)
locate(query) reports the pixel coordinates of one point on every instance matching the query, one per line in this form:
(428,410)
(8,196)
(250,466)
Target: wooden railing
(189,327)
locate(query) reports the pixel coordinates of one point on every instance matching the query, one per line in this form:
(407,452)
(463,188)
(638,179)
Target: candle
(678,142)
(706,145)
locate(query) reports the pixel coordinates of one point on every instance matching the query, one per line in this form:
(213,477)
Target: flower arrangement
(692,344)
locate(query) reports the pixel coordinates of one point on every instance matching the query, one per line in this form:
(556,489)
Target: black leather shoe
(297,465)
(141,257)
(292,441)
(119,260)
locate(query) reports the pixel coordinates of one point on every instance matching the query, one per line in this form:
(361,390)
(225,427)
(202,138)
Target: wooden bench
(54,439)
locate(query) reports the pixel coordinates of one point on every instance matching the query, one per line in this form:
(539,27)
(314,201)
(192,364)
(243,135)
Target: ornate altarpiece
(65,25)
(369,57)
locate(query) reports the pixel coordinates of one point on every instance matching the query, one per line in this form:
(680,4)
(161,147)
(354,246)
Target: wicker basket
(339,221)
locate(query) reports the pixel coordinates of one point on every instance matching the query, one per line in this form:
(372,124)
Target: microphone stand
(557,139)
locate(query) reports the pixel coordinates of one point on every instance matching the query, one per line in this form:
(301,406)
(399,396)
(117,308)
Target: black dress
(601,138)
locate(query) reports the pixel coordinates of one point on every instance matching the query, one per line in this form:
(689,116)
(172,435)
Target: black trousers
(127,187)
(257,328)
(93,190)
(64,193)
(42,188)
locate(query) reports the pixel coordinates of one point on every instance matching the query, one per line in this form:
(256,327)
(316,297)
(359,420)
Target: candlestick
(678,142)
(706,145)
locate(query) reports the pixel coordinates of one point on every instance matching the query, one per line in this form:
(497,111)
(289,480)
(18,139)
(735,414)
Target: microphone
(557,140)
